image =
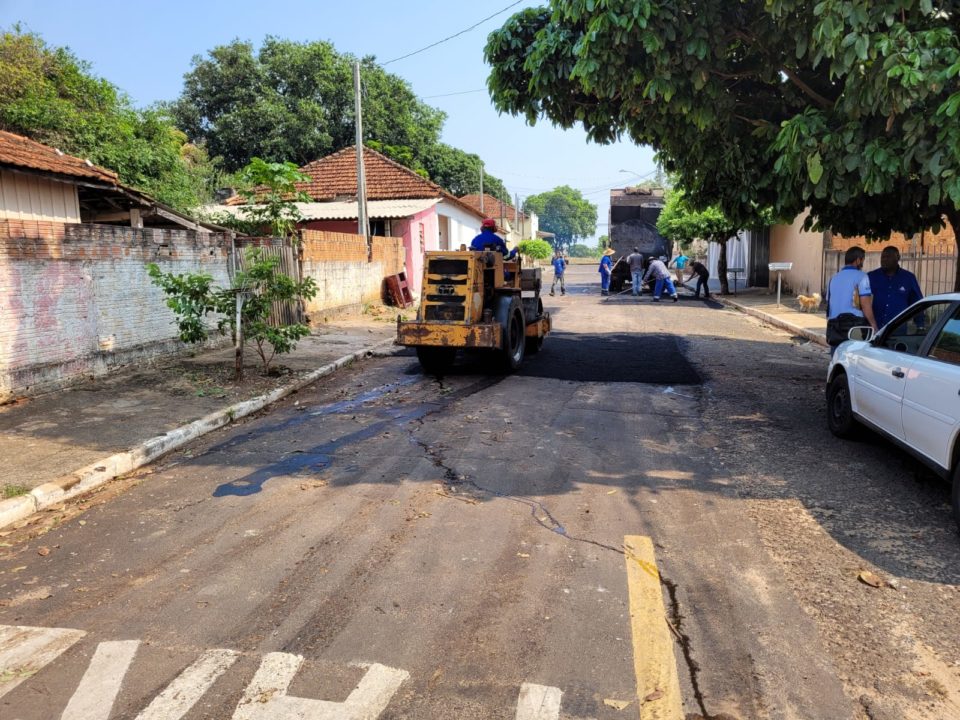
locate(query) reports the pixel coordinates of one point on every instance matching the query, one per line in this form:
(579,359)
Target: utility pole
(481,188)
(516,215)
(363,222)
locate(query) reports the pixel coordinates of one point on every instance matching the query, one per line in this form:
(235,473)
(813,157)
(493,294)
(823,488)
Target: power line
(463,92)
(440,42)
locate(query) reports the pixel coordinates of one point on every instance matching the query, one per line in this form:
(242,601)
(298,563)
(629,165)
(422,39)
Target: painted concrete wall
(420,233)
(463,226)
(30,197)
(338,264)
(76,300)
(791,243)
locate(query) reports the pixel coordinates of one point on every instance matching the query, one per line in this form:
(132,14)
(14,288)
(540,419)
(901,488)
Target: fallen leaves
(43,551)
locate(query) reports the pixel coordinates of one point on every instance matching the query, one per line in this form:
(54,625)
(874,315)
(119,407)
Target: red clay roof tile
(492,207)
(24,153)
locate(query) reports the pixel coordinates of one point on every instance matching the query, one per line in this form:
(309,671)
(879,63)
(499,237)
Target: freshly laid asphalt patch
(633,358)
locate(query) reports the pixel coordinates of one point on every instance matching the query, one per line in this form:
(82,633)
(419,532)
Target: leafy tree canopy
(847,107)
(291,101)
(583,251)
(49,95)
(564,212)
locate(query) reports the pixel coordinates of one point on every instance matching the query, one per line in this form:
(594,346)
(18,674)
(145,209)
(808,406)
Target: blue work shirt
(559,265)
(680,261)
(843,288)
(489,240)
(606,265)
(892,294)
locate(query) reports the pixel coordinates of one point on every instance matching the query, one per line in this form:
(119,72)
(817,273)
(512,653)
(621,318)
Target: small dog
(809,303)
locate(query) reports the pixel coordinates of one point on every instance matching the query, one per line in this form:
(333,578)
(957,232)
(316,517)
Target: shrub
(536,249)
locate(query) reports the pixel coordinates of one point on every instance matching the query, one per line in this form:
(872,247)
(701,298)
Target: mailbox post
(779,267)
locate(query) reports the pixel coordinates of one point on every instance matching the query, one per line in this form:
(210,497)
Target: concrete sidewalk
(787,316)
(89,433)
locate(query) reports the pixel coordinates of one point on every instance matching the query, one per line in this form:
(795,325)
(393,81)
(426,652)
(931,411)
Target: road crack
(452,480)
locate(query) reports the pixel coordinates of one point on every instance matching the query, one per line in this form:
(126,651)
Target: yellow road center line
(658,685)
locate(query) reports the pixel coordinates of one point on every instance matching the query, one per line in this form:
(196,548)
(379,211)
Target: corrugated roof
(345,210)
(24,153)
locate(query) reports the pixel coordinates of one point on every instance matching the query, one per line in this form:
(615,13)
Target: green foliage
(13,490)
(194,297)
(564,212)
(49,95)
(536,249)
(270,189)
(603,242)
(680,222)
(583,251)
(847,107)
(191,298)
(294,101)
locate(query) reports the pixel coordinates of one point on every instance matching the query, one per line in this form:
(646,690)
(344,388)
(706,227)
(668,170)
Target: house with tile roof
(513,224)
(400,203)
(41,183)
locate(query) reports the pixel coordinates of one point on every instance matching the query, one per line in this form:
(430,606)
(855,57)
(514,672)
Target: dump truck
(633,224)
(476,301)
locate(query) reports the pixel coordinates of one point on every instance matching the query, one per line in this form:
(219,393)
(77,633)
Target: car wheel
(840,418)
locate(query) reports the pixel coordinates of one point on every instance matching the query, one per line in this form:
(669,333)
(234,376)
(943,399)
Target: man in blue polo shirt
(894,289)
(849,299)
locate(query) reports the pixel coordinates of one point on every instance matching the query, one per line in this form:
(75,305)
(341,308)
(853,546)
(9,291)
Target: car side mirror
(863,333)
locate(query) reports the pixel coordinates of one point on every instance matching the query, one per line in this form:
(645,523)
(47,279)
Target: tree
(680,222)
(846,107)
(583,251)
(564,212)
(193,297)
(49,95)
(270,190)
(294,101)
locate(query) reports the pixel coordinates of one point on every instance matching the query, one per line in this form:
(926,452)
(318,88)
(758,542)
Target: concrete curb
(102,471)
(774,320)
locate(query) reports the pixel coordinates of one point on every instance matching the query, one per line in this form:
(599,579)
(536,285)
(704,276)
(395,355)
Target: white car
(904,382)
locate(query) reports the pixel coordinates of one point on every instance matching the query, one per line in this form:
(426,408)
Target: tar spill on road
(320,456)
(632,358)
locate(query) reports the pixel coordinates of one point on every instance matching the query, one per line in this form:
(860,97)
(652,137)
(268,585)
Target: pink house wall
(410,230)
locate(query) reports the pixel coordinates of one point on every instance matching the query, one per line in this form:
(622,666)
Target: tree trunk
(953,215)
(722,267)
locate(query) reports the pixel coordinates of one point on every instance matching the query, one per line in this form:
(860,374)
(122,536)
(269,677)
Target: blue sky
(146,47)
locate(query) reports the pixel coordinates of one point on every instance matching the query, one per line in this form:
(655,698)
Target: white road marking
(24,651)
(266,696)
(181,695)
(538,702)
(100,684)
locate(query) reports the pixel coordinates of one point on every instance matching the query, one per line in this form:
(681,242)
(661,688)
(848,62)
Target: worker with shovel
(605,270)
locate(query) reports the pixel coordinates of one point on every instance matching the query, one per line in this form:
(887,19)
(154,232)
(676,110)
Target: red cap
(489,223)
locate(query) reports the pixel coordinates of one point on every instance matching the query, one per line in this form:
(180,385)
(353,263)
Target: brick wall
(76,300)
(944,241)
(338,264)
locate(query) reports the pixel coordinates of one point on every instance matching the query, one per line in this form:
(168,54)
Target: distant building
(400,203)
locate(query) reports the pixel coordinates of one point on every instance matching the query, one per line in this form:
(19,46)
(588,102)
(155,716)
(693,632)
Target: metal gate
(934,265)
(291,265)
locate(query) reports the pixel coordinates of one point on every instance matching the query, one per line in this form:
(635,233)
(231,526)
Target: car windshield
(908,333)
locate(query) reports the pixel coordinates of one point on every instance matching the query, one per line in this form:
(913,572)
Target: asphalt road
(385,544)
